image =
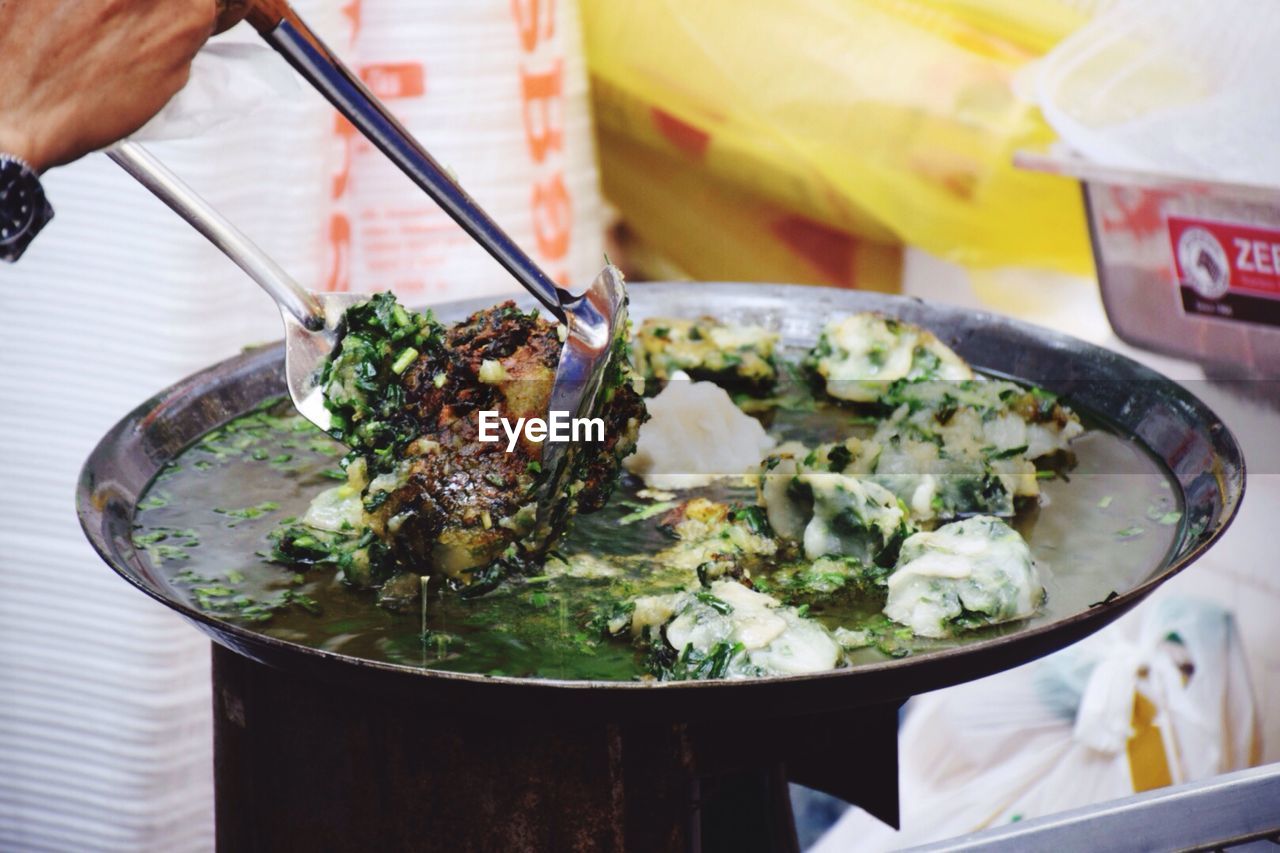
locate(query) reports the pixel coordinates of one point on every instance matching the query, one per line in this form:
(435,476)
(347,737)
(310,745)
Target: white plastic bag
(1176,86)
(230,81)
(1161,698)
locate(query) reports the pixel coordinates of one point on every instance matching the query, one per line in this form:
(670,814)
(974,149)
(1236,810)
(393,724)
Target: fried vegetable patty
(406,393)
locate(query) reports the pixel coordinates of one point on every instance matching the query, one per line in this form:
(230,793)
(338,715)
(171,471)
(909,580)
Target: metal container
(1187,267)
(319,750)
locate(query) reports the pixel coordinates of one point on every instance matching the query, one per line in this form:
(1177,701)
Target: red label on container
(393,80)
(1226,269)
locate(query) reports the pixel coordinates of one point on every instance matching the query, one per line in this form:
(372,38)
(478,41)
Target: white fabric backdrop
(105,739)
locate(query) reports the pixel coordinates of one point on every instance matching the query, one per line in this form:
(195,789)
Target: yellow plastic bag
(697,226)
(890,120)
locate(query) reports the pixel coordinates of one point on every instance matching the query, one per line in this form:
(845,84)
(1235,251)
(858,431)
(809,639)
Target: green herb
(1043,395)
(583,643)
(839,458)
(402,362)
(612,619)
(363,560)
(648,512)
(754,518)
(166,543)
(692,664)
(155,500)
(324,446)
(718,605)
(213,590)
(249,512)
(282,458)
(362,382)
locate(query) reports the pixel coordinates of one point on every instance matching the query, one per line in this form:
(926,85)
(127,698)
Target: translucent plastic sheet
(1180,87)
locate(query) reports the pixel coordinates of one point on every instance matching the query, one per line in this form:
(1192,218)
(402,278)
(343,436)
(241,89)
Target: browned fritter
(462,502)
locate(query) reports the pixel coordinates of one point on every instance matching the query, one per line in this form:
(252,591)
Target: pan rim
(94,521)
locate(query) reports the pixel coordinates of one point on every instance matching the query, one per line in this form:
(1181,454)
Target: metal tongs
(313,321)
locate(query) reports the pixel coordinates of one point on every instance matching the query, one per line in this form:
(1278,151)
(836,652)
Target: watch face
(18,203)
(23,209)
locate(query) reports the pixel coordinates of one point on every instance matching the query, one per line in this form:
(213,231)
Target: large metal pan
(1202,455)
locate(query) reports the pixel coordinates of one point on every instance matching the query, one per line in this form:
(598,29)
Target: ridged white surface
(105,740)
(105,736)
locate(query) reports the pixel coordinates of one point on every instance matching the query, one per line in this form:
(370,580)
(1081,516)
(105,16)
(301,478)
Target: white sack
(1056,734)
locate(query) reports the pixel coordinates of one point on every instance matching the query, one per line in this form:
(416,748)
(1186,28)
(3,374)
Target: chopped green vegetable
(249,512)
(721,607)
(648,512)
(402,362)
(692,664)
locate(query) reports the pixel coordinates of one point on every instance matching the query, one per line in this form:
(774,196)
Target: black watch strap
(23,208)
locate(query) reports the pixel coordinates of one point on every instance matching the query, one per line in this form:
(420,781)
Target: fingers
(81,74)
(209,10)
(230,13)
(203,18)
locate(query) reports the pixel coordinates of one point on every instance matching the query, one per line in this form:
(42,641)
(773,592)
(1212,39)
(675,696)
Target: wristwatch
(23,208)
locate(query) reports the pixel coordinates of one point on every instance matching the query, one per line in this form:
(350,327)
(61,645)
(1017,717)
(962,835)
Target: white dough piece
(695,435)
(963,575)
(775,640)
(861,355)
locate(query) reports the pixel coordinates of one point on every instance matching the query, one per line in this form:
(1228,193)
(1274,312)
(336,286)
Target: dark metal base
(308,765)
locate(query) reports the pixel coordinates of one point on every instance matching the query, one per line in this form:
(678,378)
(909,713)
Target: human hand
(78,75)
